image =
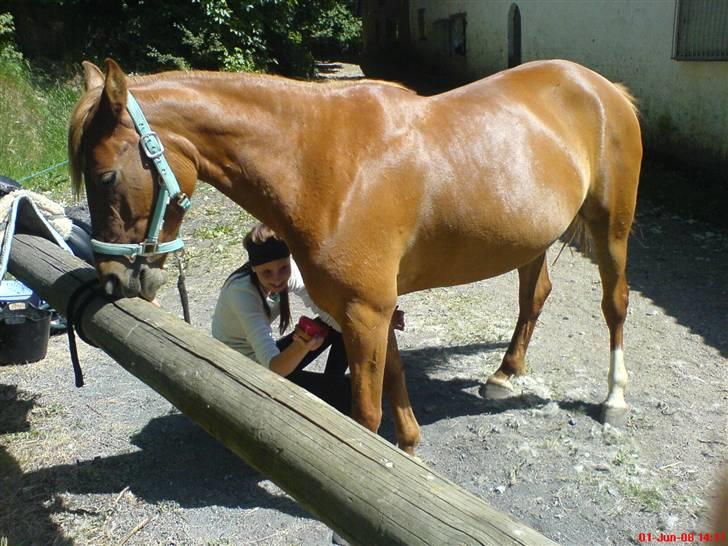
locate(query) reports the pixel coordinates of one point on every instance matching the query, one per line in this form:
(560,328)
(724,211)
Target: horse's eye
(108,178)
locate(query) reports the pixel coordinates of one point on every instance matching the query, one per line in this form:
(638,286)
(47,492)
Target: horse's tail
(626,93)
(578,231)
(578,234)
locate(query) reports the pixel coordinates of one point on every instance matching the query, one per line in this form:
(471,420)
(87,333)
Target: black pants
(332,386)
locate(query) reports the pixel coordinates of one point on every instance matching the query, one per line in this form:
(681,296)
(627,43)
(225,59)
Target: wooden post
(351,479)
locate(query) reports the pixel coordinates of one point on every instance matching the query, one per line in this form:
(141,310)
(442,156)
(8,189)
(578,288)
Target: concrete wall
(684,104)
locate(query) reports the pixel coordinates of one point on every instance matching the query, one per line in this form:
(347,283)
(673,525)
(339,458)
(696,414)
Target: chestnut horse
(378,192)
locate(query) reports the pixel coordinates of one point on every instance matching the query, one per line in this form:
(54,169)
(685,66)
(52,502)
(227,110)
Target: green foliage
(8,50)
(34,113)
(148,35)
(336,29)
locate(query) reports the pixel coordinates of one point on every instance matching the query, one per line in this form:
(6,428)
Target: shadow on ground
(435,400)
(166,468)
(25,517)
(675,264)
(177,461)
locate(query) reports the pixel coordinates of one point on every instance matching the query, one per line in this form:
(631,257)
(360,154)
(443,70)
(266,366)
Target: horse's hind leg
(534,288)
(609,238)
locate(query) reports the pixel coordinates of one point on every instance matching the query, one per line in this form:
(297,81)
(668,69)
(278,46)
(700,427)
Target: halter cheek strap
(169,188)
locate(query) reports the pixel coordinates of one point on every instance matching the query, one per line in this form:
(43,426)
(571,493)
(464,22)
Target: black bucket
(23,335)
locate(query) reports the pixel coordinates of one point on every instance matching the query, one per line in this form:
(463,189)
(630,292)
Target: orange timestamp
(682,537)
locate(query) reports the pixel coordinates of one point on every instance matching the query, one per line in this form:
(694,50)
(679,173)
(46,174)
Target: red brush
(312,328)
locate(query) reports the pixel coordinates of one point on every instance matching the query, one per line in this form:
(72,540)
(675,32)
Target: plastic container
(23,335)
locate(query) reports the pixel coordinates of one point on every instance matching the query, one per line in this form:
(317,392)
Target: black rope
(77,372)
(182,288)
(183,297)
(77,304)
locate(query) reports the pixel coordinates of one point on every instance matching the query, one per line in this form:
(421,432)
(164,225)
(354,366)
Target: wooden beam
(351,479)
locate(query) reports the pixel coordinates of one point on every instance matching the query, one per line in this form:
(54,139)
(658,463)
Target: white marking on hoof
(497,389)
(615,408)
(614,416)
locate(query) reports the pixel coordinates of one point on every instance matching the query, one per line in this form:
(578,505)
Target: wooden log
(351,479)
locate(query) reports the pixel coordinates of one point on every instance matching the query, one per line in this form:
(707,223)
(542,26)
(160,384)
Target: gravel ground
(114,463)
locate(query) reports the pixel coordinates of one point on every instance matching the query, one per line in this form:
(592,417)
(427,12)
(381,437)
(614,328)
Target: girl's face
(273,276)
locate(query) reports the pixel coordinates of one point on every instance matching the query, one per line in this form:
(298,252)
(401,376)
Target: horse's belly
(484,227)
(462,262)
(461,252)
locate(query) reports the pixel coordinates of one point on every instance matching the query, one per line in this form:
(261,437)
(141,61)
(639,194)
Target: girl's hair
(257,236)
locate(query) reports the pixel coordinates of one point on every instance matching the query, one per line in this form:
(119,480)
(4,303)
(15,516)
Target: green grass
(215,232)
(648,498)
(34,113)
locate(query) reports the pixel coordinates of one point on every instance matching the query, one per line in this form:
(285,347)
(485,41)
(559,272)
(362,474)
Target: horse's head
(123,185)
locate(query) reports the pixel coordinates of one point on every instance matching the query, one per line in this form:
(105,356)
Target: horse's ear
(115,87)
(92,75)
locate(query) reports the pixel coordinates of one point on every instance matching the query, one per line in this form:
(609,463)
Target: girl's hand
(310,343)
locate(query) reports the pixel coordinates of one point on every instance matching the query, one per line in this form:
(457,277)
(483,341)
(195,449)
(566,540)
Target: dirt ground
(114,463)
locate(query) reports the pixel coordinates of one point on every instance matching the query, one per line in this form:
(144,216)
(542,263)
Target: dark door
(514,36)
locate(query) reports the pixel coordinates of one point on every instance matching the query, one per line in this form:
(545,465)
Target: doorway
(514,36)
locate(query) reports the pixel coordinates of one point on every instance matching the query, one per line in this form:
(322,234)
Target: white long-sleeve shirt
(240,321)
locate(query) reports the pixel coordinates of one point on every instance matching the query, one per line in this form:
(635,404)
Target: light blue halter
(169,187)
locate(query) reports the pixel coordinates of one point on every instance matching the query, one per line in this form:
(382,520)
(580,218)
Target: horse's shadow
(179,462)
(435,399)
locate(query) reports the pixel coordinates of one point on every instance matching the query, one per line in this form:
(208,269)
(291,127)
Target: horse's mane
(207,75)
(75,134)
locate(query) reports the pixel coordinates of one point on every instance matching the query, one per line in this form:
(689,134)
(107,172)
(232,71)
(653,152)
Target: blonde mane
(75,135)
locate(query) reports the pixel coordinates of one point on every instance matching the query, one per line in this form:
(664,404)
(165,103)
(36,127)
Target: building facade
(671,54)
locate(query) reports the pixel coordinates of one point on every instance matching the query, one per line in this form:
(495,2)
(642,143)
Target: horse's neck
(244,138)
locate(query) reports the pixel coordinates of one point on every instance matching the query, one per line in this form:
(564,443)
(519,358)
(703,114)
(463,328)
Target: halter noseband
(169,187)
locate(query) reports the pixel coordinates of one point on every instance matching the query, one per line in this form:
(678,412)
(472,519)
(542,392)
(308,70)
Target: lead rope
(52,167)
(85,292)
(181,287)
(88,290)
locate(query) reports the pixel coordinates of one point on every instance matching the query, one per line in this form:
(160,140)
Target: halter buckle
(149,247)
(183,201)
(152,145)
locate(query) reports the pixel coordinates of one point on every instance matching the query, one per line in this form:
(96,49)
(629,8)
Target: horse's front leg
(405,424)
(365,328)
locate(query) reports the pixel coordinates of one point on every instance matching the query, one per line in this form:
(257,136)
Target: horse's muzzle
(124,280)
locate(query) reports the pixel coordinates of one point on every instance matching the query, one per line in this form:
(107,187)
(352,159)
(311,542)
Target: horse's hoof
(409,450)
(336,538)
(497,391)
(614,416)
